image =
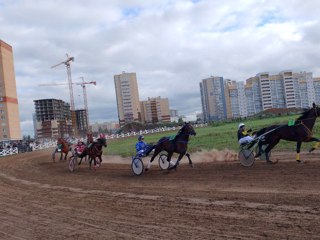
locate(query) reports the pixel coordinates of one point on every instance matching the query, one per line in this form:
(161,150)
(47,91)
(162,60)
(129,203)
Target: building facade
(9,108)
(53,118)
(82,127)
(264,91)
(213,98)
(155,110)
(127,95)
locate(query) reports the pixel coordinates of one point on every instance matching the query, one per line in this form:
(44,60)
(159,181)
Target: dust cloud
(203,156)
(214,155)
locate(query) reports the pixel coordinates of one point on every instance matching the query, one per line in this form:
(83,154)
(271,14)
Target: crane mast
(67,63)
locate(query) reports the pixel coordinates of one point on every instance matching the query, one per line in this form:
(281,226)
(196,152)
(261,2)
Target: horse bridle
(308,130)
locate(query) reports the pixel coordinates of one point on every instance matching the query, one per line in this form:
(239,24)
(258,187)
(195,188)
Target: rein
(309,131)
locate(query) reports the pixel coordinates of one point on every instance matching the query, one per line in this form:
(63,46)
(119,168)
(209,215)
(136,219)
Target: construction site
(56,118)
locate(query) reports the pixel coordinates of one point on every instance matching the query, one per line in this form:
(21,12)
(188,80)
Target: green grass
(219,137)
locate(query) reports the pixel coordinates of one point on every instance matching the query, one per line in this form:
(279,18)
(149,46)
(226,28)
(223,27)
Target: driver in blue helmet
(142,148)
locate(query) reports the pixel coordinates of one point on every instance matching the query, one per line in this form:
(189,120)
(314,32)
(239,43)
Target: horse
(63,147)
(177,145)
(95,150)
(300,131)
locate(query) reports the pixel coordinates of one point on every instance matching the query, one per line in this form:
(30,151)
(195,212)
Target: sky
(170,45)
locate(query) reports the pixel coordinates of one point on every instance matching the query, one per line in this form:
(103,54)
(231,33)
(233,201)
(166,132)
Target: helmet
(241,125)
(141,137)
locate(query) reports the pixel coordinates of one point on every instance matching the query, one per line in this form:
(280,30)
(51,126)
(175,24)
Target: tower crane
(83,85)
(68,64)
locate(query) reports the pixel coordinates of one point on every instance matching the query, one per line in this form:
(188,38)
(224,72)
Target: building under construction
(81,122)
(53,118)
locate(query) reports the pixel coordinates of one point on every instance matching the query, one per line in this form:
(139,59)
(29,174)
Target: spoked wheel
(163,163)
(246,157)
(137,166)
(72,163)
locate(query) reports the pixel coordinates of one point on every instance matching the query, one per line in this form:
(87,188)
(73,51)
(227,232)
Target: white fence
(48,144)
(8,151)
(33,146)
(145,132)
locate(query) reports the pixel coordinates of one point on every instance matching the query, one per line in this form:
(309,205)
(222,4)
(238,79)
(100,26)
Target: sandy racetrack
(216,199)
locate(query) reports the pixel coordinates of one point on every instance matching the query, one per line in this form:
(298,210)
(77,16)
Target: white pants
(246,139)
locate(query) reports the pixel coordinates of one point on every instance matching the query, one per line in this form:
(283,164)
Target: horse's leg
(156,152)
(177,162)
(269,148)
(316,145)
(190,162)
(298,152)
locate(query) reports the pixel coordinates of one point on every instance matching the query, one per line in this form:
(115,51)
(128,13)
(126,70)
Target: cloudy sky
(170,45)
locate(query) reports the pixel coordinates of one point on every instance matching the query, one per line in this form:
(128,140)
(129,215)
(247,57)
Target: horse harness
(308,131)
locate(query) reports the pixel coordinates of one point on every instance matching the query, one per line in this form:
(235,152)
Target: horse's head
(188,129)
(102,141)
(316,109)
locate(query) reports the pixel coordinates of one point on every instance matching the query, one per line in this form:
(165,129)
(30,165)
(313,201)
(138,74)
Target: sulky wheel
(137,166)
(163,162)
(246,157)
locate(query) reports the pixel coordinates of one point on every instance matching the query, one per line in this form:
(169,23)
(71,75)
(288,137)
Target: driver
(245,138)
(142,148)
(243,134)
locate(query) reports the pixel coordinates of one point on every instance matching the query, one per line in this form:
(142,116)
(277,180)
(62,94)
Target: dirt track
(214,200)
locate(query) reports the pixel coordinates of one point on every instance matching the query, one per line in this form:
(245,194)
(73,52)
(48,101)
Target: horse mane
(304,114)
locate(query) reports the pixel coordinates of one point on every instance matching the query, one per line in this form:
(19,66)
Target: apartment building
(127,95)
(286,89)
(236,99)
(316,84)
(9,107)
(53,118)
(155,110)
(213,98)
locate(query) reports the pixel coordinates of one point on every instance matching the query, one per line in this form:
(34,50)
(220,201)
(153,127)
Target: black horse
(300,131)
(95,150)
(178,144)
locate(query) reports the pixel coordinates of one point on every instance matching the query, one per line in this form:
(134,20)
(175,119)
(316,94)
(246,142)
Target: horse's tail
(150,148)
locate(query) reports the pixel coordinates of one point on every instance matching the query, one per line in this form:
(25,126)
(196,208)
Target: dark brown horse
(63,148)
(95,150)
(178,144)
(300,131)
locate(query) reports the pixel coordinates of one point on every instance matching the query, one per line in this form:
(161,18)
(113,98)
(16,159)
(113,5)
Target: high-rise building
(9,108)
(155,110)
(53,118)
(82,127)
(264,91)
(233,99)
(316,84)
(213,98)
(287,89)
(127,94)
